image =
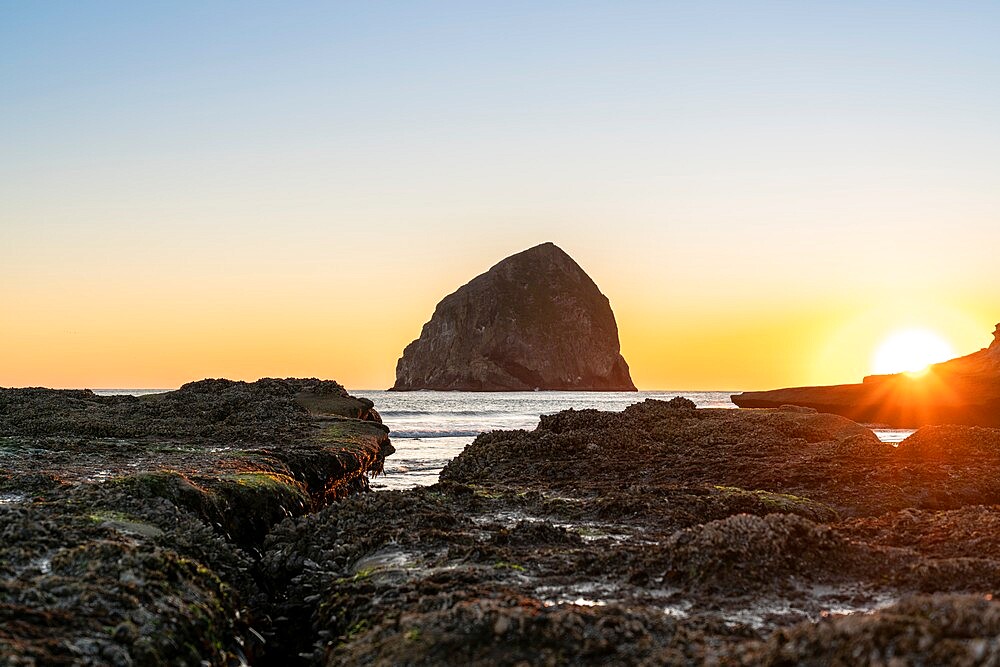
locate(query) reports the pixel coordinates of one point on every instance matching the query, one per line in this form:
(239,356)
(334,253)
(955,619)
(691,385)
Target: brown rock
(533,321)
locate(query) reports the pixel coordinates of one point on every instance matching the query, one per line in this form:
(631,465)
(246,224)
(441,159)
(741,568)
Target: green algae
(332,404)
(782,502)
(125,523)
(358,628)
(350,432)
(487,493)
(504,565)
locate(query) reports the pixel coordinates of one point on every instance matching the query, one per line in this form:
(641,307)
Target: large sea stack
(534,321)
(965,390)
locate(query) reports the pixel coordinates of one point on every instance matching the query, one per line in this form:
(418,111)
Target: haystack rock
(965,390)
(533,321)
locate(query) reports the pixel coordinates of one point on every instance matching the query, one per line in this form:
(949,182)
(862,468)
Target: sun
(910,351)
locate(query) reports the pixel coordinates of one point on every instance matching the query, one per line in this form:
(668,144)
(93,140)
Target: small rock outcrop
(534,321)
(965,390)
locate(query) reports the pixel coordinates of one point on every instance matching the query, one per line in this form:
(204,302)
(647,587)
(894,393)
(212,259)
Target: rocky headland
(534,321)
(217,525)
(965,390)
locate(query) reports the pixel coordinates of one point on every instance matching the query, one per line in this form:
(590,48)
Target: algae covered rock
(130,527)
(663,534)
(534,321)
(654,444)
(938,630)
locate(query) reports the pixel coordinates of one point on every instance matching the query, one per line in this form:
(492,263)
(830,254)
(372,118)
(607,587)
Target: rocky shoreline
(131,528)
(663,534)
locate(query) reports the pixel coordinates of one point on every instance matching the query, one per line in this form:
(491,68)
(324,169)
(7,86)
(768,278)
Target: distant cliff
(534,321)
(965,390)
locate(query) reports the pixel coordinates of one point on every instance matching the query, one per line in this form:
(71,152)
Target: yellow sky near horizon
(152,328)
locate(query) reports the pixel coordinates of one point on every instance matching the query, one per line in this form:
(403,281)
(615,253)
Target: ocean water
(429,428)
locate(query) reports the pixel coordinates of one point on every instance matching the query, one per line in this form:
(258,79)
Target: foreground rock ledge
(130,528)
(662,535)
(965,390)
(534,321)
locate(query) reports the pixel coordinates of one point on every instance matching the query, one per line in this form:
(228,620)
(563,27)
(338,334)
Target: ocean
(429,428)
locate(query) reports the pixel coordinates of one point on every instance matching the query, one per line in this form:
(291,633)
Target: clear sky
(764,190)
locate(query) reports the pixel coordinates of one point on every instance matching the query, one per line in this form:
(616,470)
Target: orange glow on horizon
(162,328)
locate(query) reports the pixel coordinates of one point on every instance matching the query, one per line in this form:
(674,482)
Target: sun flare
(910,351)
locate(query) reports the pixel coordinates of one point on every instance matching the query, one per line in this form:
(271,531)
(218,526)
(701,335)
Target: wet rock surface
(663,534)
(965,390)
(535,320)
(660,535)
(130,528)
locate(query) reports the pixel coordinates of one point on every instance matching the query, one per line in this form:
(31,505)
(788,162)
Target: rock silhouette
(965,390)
(534,321)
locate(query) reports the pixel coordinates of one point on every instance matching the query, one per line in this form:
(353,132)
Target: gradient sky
(764,190)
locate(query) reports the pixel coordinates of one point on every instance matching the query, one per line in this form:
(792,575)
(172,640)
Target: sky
(764,190)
